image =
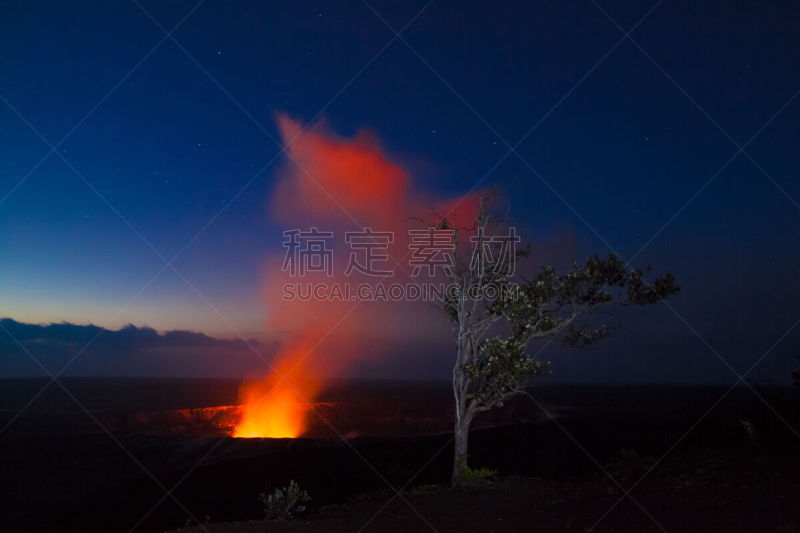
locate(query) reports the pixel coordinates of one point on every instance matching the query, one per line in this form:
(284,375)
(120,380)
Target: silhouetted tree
(497,313)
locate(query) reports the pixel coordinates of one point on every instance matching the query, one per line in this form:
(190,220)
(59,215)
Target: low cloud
(130,351)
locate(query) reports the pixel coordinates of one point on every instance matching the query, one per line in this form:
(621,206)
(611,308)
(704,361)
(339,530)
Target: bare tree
(496,313)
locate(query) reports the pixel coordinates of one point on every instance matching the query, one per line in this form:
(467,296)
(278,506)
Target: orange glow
(275,407)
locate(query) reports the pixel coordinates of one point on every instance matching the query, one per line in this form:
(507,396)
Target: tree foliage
(497,313)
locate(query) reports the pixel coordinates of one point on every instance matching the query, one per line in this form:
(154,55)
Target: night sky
(630,146)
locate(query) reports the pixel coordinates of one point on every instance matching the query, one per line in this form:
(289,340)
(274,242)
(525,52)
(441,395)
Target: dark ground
(744,489)
(62,472)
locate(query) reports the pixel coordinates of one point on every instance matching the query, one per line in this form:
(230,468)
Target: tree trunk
(460,448)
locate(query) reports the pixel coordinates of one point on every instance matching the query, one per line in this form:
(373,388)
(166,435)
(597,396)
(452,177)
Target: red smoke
(335,184)
(332,179)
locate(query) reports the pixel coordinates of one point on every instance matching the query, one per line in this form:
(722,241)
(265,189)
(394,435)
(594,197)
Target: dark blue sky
(624,150)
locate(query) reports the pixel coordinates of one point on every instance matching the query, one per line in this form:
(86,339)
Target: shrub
(284,502)
(471,475)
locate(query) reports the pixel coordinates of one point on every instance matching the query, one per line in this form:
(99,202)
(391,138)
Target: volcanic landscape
(176,435)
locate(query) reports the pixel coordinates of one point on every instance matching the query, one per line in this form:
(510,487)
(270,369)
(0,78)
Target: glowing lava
(275,407)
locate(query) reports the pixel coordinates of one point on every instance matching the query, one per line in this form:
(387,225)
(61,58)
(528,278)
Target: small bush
(284,502)
(476,474)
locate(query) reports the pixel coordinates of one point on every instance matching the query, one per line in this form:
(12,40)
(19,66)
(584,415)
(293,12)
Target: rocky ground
(746,488)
